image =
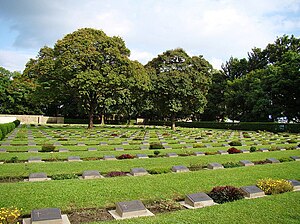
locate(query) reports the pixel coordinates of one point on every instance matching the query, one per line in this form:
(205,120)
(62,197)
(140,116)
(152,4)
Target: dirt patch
(164,206)
(89,215)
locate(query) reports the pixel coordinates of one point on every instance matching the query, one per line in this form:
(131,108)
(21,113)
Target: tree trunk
(91,118)
(173,123)
(102,119)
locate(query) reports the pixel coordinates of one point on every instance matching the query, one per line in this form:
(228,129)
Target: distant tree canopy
(89,74)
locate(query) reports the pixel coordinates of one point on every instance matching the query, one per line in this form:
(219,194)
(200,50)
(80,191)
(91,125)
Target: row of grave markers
(135,208)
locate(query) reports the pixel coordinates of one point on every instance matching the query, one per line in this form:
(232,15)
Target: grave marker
(91,174)
(167,147)
(197,200)
(92,149)
(103,143)
(35,160)
(222,152)
(246,163)
(263,150)
(245,151)
(38,177)
(33,150)
(143,147)
(296,184)
(138,172)
(63,150)
(74,159)
(215,166)
(47,216)
(172,154)
(109,157)
(2,150)
(180,169)
(119,149)
(296,158)
(252,192)
(272,160)
(142,156)
(80,144)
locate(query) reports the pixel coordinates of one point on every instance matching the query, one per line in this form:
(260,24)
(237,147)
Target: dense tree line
(89,74)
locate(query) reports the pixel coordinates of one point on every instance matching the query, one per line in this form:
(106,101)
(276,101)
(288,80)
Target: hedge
(247,126)
(7,128)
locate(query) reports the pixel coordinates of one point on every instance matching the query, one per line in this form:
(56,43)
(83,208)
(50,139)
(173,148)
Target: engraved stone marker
(63,150)
(246,163)
(91,174)
(296,184)
(222,152)
(167,147)
(198,200)
(188,146)
(5,143)
(144,147)
(296,158)
(172,154)
(33,150)
(47,215)
(92,149)
(80,144)
(38,177)
(142,156)
(109,157)
(35,160)
(119,149)
(138,172)
(263,150)
(215,166)
(74,158)
(179,169)
(57,144)
(103,143)
(31,144)
(182,142)
(2,150)
(272,160)
(252,191)
(199,153)
(245,151)
(125,143)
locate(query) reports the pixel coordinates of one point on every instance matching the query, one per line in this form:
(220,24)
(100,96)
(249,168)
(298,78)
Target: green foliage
(224,194)
(64,176)
(231,164)
(159,170)
(274,186)
(156,152)
(235,143)
(6,128)
(48,148)
(285,159)
(252,149)
(156,145)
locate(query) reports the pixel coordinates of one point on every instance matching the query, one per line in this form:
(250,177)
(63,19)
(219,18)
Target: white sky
(216,29)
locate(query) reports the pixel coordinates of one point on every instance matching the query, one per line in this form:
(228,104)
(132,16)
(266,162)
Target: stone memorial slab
(109,157)
(252,192)
(296,158)
(138,172)
(80,144)
(171,154)
(188,146)
(197,200)
(163,143)
(180,169)
(31,144)
(125,143)
(208,145)
(144,147)
(119,149)
(91,174)
(246,163)
(296,184)
(263,150)
(92,149)
(57,144)
(142,156)
(2,150)
(33,150)
(63,150)
(38,177)
(282,149)
(226,145)
(35,160)
(130,209)
(222,152)
(245,151)
(199,153)
(215,166)
(5,144)
(167,147)
(145,143)
(74,159)
(272,160)
(182,142)
(103,143)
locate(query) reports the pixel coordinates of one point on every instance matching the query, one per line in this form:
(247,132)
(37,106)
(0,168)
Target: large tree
(180,84)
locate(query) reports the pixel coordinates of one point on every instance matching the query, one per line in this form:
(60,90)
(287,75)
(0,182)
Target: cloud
(141,56)
(14,60)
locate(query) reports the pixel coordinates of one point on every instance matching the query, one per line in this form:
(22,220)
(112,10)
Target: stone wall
(31,119)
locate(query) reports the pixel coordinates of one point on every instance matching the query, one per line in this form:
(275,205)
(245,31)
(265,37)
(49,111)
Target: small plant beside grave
(64,176)
(159,170)
(198,145)
(162,206)
(285,159)
(48,148)
(210,153)
(231,165)
(156,145)
(14,159)
(9,215)
(252,149)
(233,150)
(116,174)
(274,186)
(224,194)
(235,143)
(156,152)
(125,156)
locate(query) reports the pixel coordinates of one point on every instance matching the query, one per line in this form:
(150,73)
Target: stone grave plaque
(215,166)
(46,215)
(2,150)
(167,147)
(296,184)
(92,149)
(245,151)
(252,191)
(142,156)
(225,145)
(80,144)
(179,169)
(138,172)
(109,157)
(208,146)
(246,163)
(182,142)
(5,143)
(31,144)
(188,146)
(199,153)
(222,152)
(103,143)
(198,200)
(272,160)
(163,143)
(38,177)
(35,160)
(282,149)
(57,144)
(263,150)
(144,147)
(63,150)
(30,137)
(33,150)
(74,159)
(125,143)
(130,209)
(91,174)
(172,154)
(119,149)
(296,158)
(145,143)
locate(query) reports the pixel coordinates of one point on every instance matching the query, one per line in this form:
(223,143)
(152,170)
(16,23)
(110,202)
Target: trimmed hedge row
(7,128)
(247,126)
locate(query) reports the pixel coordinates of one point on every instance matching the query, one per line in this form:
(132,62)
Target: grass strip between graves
(70,194)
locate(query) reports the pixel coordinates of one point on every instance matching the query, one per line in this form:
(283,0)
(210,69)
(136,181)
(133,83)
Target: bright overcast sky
(216,29)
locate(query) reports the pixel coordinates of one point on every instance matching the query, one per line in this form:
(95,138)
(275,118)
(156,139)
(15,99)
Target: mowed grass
(51,168)
(70,194)
(282,208)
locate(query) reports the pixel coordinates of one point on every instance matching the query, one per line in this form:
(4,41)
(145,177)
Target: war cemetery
(174,141)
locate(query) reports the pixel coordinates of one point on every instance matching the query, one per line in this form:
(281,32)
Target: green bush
(292,141)
(48,148)
(231,165)
(64,176)
(285,159)
(252,149)
(156,145)
(156,152)
(235,143)
(17,123)
(224,194)
(159,170)
(274,186)
(198,145)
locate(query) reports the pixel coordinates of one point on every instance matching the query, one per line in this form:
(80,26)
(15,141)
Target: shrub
(235,143)
(17,123)
(231,165)
(233,150)
(64,176)
(224,194)
(285,159)
(159,170)
(252,149)
(274,186)
(14,159)
(198,145)
(292,141)
(116,174)
(156,152)
(125,156)
(9,215)
(195,167)
(48,148)
(210,153)
(156,145)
